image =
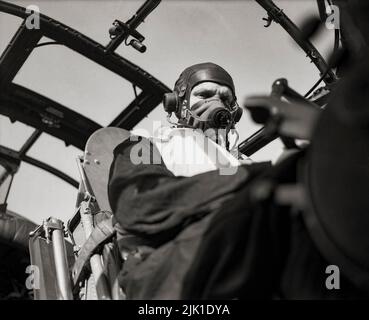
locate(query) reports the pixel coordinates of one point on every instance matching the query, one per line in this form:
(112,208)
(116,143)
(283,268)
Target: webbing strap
(101,233)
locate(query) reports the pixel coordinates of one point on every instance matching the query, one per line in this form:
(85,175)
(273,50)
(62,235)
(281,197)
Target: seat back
(98,158)
(94,170)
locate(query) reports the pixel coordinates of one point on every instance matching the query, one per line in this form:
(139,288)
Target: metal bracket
(52,230)
(47,227)
(268,20)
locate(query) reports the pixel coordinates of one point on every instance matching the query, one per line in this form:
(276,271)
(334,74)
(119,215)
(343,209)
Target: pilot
(164,190)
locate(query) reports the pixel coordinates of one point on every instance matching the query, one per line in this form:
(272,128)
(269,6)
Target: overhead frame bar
(131,115)
(17,52)
(33,109)
(14,156)
(30,142)
(281,18)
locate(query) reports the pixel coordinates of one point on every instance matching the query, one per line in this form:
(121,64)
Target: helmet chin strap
(177,124)
(236,141)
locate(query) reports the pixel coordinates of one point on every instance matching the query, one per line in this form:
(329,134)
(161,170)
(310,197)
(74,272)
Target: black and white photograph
(184,150)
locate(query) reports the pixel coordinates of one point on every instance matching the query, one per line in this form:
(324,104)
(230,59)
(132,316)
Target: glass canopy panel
(90,17)
(37,195)
(8,26)
(54,152)
(76,82)
(13,135)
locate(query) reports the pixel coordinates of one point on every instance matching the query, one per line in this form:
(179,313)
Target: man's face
(205,91)
(210,90)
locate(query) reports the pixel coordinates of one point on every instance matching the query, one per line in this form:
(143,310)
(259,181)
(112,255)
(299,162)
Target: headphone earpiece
(171,102)
(238,114)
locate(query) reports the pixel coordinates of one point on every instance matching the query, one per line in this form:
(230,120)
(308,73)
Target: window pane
(76,82)
(13,135)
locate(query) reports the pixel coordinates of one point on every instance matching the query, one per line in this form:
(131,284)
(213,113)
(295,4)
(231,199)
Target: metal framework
(262,137)
(24,105)
(21,104)
(277,15)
